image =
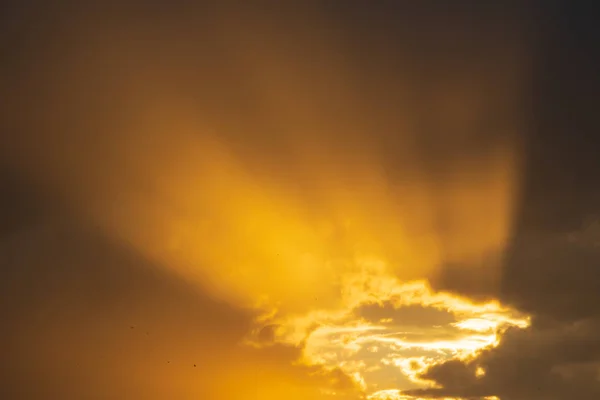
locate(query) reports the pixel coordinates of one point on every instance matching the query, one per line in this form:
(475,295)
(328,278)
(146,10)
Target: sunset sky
(328,200)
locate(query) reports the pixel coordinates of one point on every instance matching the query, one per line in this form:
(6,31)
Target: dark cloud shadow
(552,267)
(408,316)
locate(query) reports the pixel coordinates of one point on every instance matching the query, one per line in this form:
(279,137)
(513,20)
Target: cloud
(404,316)
(558,357)
(521,368)
(550,270)
(272,177)
(557,264)
(420,328)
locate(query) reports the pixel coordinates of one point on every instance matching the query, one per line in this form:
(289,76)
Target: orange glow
(328,205)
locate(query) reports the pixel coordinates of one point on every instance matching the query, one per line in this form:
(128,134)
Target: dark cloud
(553,277)
(407,316)
(538,363)
(552,267)
(18,201)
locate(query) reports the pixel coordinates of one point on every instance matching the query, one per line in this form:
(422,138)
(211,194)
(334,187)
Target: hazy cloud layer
(200,201)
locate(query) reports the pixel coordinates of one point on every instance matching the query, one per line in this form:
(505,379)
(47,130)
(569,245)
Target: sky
(358,200)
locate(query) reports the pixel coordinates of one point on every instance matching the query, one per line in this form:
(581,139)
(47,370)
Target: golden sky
(275,213)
